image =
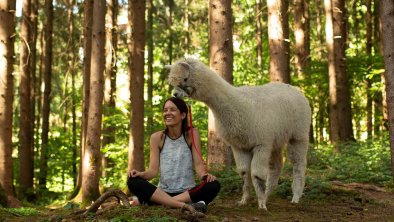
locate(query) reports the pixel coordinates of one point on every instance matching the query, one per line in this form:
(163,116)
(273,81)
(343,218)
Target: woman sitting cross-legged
(172,153)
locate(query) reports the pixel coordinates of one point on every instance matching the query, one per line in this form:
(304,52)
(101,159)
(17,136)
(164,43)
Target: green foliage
(23,211)
(116,169)
(367,162)
(230,181)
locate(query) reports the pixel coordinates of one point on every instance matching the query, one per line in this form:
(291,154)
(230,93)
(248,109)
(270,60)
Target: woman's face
(171,114)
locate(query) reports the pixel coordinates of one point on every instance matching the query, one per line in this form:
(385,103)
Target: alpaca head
(181,78)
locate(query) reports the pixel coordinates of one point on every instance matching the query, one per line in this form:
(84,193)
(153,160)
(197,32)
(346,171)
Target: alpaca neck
(216,91)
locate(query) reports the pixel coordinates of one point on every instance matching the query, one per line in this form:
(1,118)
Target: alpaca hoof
(295,199)
(241,202)
(263,207)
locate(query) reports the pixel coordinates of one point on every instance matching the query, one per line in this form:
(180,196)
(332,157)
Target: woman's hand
(208,177)
(135,173)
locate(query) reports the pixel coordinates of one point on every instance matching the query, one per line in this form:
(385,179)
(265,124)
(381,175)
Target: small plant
(23,211)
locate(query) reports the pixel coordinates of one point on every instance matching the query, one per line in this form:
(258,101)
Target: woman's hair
(181,105)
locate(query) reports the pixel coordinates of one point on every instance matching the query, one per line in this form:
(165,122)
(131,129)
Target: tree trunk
(150,47)
(47,92)
(187,27)
(387,17)
(319,28)
(92,157)
(136,72)
(25,130)
(34,83)
(87,47)
(341,129)
(111,47)
(72,64)
(278,40)
(368,80)
(301,33)
(170,28)
(259,37)
(220,60)
(7,27)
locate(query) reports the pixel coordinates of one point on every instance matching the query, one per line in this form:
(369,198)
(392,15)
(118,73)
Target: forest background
(126,57)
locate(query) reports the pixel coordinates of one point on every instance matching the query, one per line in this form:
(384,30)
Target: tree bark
(35,84)
(7,38)
(25,130)
(150,47)
(87,47)
(92,157)
(72,64)
(136,47)
(368,80)
(111,47)
(387,17)
(301,33)
(319,28)
(47,92)
(221,60)
(341,128)
(259,37)
(278,40)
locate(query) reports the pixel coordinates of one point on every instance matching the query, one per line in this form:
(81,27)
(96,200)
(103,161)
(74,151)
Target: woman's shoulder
(158,135)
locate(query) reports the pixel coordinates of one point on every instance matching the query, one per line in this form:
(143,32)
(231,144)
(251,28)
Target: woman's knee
(135,183)
(214,186)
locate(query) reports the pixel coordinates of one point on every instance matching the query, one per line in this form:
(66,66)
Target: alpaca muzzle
(183,91)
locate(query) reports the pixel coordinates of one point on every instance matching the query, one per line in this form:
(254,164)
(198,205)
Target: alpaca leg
(259,173)
(276,165)
(297,150)
(242,160)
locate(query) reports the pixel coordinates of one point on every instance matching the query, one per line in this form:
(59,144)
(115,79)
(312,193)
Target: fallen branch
(112,193)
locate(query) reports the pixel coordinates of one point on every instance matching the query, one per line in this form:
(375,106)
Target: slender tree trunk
(341,128)
(259,37)
(387,17)
(136,47)
(187,27)
(47,92)
(34,84)
(368,80)
(7,33)
(87,47)
(150,47)
(301,33)
(40,86)
(72,65)
(380,103)
(279,44)
(221,60)
(25,130)
(92,157)
(377,44)
(319,27)
(110,76)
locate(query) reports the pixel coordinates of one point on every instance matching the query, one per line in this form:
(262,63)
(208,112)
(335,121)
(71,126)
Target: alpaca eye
(185,79)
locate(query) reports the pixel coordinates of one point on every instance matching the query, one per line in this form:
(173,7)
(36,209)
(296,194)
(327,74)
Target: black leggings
(144,190)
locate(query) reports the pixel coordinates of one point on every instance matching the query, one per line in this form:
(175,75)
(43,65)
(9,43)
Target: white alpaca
(257,121)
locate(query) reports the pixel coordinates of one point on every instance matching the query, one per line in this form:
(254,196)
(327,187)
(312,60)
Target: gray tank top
(176,166)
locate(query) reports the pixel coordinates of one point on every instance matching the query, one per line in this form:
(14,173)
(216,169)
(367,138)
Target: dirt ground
(345,202)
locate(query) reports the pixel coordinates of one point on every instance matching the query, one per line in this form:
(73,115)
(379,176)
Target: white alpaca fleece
(257,121)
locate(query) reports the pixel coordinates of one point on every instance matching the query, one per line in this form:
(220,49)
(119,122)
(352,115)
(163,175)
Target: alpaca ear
(168,66)
(185,65)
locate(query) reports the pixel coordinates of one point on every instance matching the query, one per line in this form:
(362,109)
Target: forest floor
(341,202)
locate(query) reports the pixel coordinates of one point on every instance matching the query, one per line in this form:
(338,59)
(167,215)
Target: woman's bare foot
(135,201)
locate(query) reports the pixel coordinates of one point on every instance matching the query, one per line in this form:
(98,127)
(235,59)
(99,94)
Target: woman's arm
(154,159)
(199,164)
